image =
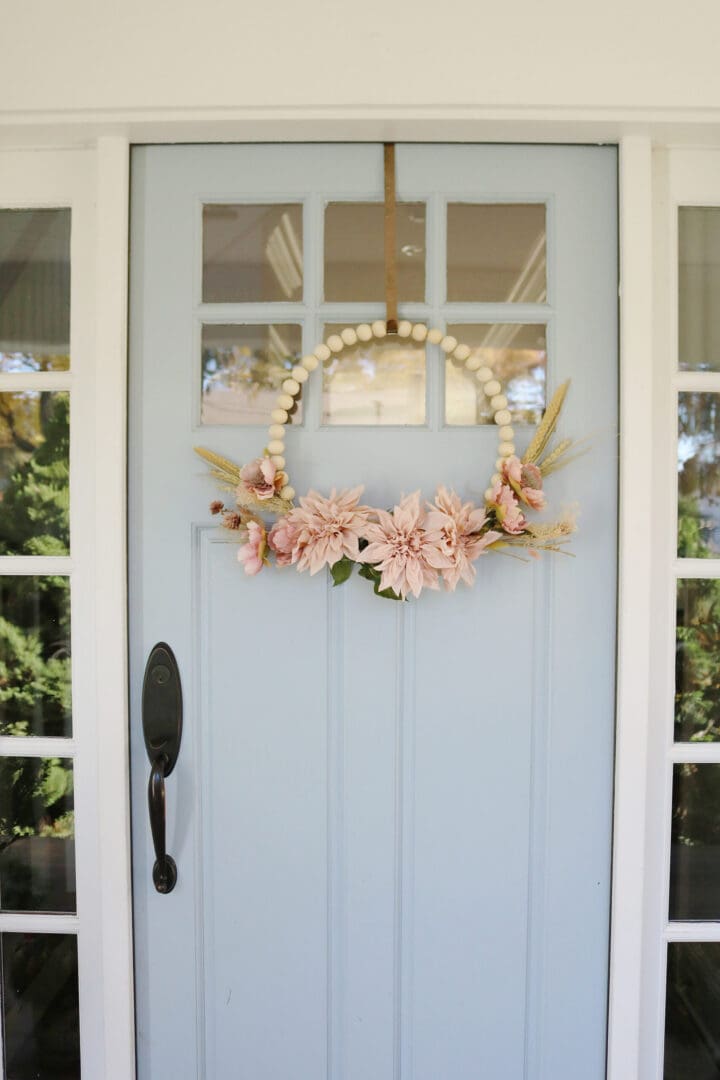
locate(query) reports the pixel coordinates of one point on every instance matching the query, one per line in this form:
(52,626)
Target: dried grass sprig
(547,425)
(227,474)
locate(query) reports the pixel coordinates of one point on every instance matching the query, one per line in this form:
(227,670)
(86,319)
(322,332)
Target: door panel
(391,822)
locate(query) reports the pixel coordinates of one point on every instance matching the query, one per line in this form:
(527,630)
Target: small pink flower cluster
(518,483)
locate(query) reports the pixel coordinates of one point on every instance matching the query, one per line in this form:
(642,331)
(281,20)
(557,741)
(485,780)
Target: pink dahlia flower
(252,553)
(407,555)
(459,526)
(325,530)
(507,511)
(526,481)
(262,478)
(282,540)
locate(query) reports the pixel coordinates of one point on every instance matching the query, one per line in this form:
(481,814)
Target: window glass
(699,475)
(252,252)
(496,253)
(355,251)
(243,368)
(377,383)
(699,288)
(517,354)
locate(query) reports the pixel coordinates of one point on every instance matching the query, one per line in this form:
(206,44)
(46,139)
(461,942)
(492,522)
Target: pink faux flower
(252,553)
(327,529)
(407,555)
(262,478)
(282,540)
(526,481)
(459,526)
(507,511)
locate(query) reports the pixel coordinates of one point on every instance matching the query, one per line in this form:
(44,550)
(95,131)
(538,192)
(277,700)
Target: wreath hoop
(410,548)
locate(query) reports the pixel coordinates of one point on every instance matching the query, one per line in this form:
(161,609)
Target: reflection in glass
(698,475)
(697,671)
(692,1032)
(496,253)
(35,696)
(375,383)
(34,473)
(41,1017)
(37,845)
(252,252)
(518,356)
(243,368)
(34,290)
(354,251)
(699,288)
(695,856)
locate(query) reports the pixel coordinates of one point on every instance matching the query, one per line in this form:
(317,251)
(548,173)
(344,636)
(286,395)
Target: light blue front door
(392,822)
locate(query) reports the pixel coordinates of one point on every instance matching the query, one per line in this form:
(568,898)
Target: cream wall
(149,55)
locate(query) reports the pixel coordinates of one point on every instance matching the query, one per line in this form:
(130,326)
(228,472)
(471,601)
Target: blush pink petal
(327,529)
(406,554)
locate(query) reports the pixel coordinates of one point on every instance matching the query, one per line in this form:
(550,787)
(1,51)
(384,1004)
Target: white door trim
(104,519)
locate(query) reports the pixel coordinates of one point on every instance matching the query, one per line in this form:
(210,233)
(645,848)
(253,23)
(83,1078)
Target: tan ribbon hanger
(391,295)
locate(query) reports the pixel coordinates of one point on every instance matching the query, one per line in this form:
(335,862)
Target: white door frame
(103,438)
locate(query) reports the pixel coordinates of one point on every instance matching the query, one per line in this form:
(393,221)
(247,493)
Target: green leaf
(342,570)
(371,573)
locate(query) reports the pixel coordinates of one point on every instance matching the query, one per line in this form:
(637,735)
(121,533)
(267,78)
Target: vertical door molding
(634,611)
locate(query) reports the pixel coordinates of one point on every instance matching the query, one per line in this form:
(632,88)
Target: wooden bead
(506,433)
(291,386)
(276,446)
(322,352)
(280,416)
(300,374)
(502,417)
(499,463)
(285,401)
(335,343)
(498,401)
(462,352)
(448,344)
(488,494)
(364,332)
(473,363)
(435,336)
(278,461)
(506,449)
(483,374)
(310,362)
(404,328)
(495,478)
(288,493)
(349,336)
(379,328)
(419,332)
(276,431)
(492,387)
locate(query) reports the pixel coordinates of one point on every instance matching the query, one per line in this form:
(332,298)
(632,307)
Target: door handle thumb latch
(162,719)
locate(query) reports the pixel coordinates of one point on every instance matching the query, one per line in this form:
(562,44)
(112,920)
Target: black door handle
(162,715)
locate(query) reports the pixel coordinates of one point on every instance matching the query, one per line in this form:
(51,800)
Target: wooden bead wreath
(413,546)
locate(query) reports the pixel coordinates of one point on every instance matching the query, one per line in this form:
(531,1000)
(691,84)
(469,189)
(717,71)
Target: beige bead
(285,401)
(404,328)
(335,343)
(278,460)
(291,386)
(488,494)
(493,387)
(435,336)
(506,433)
(379,328)
(448,344)
(280,416)
(502,417)
(288,492)
(349,336)
(276,431)
(473,363)
(322,352)
(419,332)
(506,449)
(499,463)
(276,446)
(310,362)
(483,374)
(498,401)
(300,374)
(462,352)
(364,332)
(495,478)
